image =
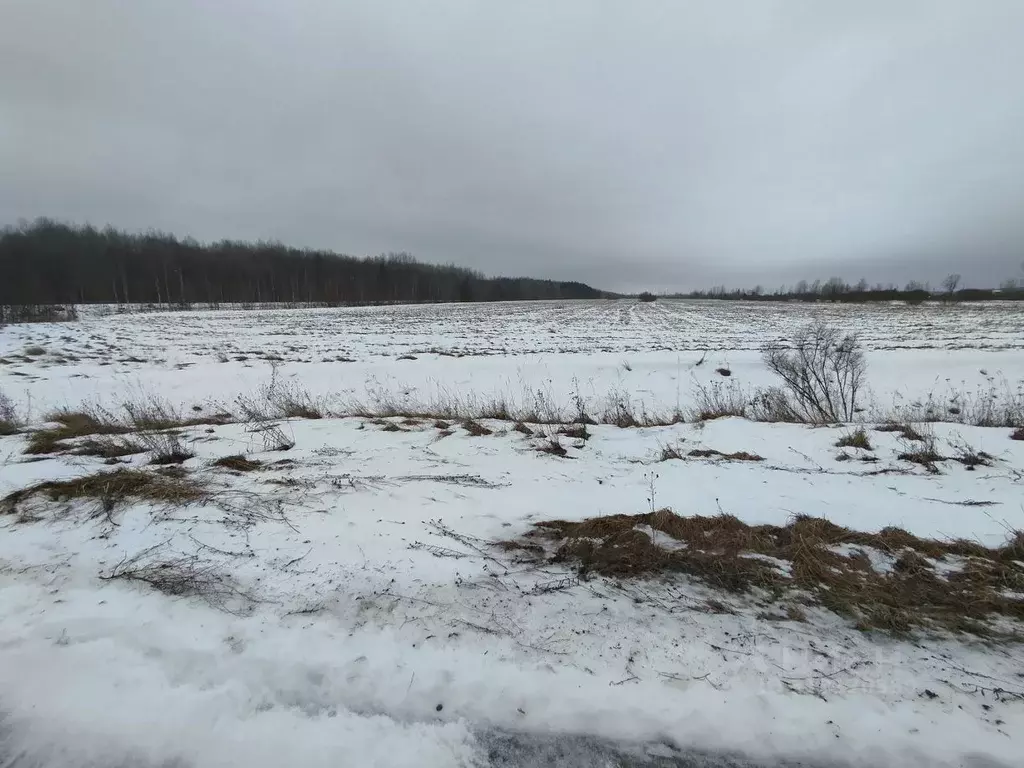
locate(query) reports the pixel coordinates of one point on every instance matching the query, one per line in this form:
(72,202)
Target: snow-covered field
(359,613)
(519,352)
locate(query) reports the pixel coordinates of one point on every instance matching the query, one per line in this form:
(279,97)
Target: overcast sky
(631,145)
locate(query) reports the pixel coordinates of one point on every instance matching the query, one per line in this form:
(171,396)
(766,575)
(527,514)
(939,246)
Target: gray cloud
(663,144)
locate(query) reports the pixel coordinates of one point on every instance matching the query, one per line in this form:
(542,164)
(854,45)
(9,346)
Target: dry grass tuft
(709,453)
(442,425)
(856,439)
(238,463)
(522,429)
(475,428)
(809,560)
(1017,434)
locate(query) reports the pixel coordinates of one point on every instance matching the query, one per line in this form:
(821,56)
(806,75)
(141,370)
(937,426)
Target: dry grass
(522,429)
(181,576)
(70,425)
(577,431)
(810,561)
(238,463)
(165,447)
(717,401)
(1017,434)
(553,447)
(856,439)
(906,431)
(711,453)
(149,417)
(926,455)
(970,457)
(108,446)
(670,452)
(111,489)
(476,429)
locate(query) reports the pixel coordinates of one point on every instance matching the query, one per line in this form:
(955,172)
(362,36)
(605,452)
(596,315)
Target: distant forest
(48,262)
(838,290)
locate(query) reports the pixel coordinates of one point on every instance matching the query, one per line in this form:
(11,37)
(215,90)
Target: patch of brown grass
(238,463)
(112,489)
(522,429)
(801,562)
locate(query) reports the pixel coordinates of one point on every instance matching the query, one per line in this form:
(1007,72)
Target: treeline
(48,262)
(838,290)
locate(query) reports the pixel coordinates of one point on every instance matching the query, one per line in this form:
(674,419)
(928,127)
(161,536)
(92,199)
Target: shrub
(9,422)
(822,370)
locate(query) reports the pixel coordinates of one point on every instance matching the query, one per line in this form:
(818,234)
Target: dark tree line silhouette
(47,262)
(838,290)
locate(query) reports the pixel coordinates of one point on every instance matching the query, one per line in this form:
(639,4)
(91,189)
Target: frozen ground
(361,616)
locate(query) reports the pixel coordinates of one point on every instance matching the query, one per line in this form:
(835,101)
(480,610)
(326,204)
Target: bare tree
(823,371)
(949,285)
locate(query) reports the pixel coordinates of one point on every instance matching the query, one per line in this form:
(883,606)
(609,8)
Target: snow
(357,637)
